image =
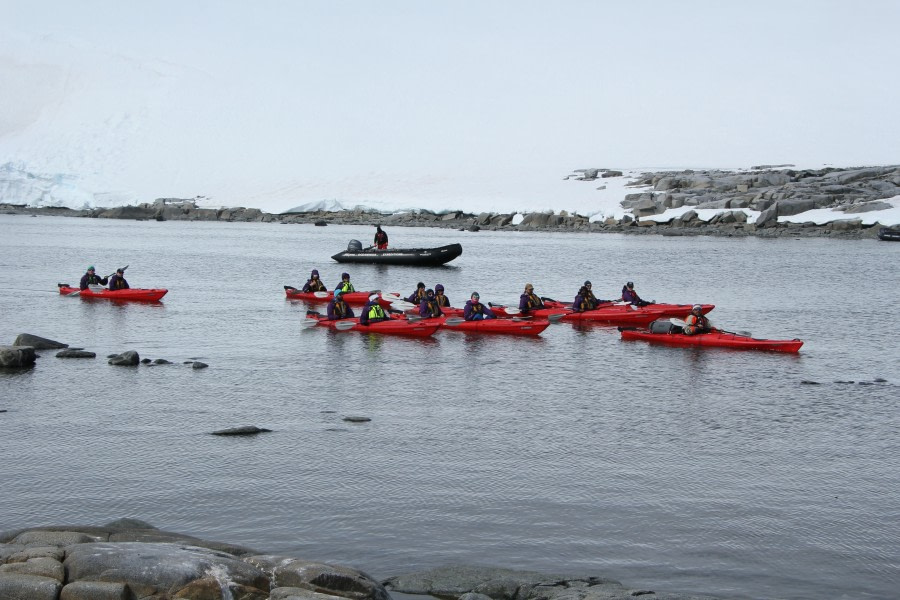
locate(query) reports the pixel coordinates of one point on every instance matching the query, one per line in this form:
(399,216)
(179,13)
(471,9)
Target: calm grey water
(708,471)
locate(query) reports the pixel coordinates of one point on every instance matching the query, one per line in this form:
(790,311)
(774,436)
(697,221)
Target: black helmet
(630,284)
(587,283)
(430,293)
(420,285)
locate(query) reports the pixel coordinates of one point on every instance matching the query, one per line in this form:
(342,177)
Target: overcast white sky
(300,100)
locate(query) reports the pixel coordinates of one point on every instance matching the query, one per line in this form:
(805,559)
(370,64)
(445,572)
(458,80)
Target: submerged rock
(37,342)
(129,358)
(17,356)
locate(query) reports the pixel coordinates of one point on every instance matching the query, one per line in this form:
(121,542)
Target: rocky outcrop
(130,559)
(37,342)
(477,583)
(791,191)
(129,358)
(17,356)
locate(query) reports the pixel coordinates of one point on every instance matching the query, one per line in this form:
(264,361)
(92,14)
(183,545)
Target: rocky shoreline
(129,559)
(771,192)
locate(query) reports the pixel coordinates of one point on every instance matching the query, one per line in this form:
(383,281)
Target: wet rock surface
(129,558)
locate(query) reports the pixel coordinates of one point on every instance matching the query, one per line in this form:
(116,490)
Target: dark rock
(198,365)
(357,419)
(96,590)
(808,382)
(37,342)
(161,361)
(320,577)
(72,353)
(244,430)
(130,358)
(144,361)
(17,356)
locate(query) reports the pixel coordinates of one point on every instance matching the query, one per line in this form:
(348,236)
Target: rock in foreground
(129,559)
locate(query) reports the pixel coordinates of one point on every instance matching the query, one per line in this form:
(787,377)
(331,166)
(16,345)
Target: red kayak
(421,328)
(131,294)
(506,326)
(719,339)
(354,298)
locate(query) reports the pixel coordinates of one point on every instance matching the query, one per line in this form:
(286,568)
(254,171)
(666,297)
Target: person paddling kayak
(586,300)
(439,296)
(345,285)
(417,296)
(314,284)
(117,281)
(429,306)
(475,310)
(337,308)
(631,296)
(91,278)
(529,300)
(372,312)
(695,323)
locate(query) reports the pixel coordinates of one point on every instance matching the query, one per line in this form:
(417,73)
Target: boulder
(320,577)
(41,566)
(37,342)
(867,207)
(129,358)
(96,590)
(72,353)
(846,224)
(158,568)
(16,586)
(17,356)
(768,217)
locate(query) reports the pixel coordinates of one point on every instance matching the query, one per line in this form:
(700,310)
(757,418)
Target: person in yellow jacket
(372,312)
(695,322)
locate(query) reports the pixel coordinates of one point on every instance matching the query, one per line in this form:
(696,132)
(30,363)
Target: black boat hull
(889,235)
(416,257)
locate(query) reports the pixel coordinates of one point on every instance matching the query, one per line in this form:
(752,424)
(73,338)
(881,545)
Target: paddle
(510,310)
(77,292)
(308,323)
(555,317)
(402,304)
(345,325)
(454,321)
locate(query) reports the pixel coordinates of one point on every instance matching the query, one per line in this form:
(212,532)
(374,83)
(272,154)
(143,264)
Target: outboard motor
(354,246)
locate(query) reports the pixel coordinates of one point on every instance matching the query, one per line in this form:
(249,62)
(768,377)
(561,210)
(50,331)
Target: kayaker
(314,284)
(345,285)
(439,296)
(529,300)
(475,310)
(417,296)
(381,238)
(372,312)
(429,306)
(585,299)
(631,296)
(695,322)
(117,281)
(91,278)
(338,309)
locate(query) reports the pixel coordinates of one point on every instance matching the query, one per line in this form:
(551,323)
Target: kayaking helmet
(373,297)
(630,285)
(420,285)
(120,270)
(90,268)
(429,293)
(587,284)
(314,274)
(345,275)
(475,296)
(696,307)
(439,288)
